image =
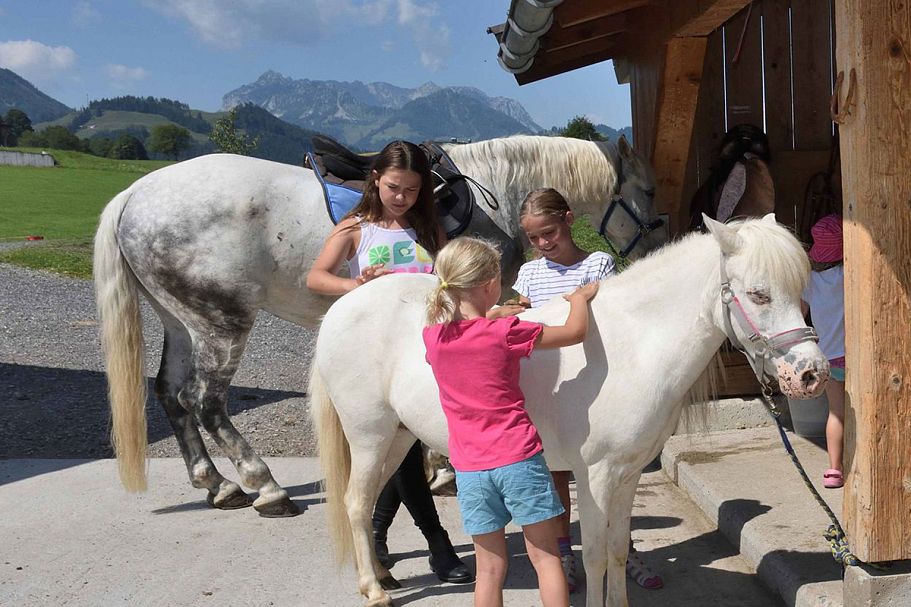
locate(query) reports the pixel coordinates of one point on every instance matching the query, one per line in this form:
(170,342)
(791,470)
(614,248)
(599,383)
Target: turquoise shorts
(522,492)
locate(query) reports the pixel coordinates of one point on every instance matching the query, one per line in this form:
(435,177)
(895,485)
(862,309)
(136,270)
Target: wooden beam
(873,38)
(676,114)
(569,14)
(702,17)
(574,57)
(561,37)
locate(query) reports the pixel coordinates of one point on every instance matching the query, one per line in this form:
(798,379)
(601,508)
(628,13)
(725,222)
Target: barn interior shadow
(62,414)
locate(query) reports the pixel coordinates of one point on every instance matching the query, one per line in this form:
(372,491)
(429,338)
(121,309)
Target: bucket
(809,416)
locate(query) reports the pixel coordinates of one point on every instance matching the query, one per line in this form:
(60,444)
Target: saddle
(342,174)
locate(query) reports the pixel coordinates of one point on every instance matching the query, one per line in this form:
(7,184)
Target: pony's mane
(580,170)
(771,249)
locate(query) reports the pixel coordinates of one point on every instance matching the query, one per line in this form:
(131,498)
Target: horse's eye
(760,297)
(650,193)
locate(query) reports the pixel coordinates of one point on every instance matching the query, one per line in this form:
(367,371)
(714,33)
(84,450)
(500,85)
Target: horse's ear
(770,217)
(626,150)
(726,235)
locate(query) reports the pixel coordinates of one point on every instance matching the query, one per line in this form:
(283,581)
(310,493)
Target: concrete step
(746,484)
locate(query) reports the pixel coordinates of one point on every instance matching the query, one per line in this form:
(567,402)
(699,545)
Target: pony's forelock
(770,249)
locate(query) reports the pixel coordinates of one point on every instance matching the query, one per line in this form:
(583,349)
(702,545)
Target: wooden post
(676,113)
(874,40)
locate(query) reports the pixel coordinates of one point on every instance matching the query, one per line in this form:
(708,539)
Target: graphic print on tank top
(401,256)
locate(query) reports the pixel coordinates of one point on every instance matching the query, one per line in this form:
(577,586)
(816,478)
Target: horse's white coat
(604,407)
(213,240)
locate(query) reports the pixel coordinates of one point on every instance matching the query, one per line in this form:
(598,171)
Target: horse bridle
(642,228)
(763,346)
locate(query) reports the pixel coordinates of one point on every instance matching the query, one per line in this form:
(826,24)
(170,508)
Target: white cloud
(39,63)
(122,75)
(431,40)
(84,14)
(232,23)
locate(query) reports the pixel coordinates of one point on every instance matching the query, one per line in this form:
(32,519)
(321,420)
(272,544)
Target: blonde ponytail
(464,263)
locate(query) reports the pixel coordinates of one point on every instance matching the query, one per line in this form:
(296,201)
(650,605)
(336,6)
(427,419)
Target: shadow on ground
(63,413)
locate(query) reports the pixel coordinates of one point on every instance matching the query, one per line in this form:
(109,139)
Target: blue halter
(643,228)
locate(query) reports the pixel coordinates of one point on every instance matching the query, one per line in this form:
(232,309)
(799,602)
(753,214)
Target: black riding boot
(386,507)
(445,562)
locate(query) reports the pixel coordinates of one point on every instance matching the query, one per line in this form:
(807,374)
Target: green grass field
(61,204)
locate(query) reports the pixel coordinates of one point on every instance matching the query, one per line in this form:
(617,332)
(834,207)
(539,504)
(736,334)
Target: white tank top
(398,250)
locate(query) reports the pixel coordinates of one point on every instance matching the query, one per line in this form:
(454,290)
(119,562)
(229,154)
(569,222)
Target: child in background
(546,219)
(493,444)
(825,298)
(393,228)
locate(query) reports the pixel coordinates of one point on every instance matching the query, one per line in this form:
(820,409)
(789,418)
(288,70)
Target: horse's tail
(335,459)
(117,298)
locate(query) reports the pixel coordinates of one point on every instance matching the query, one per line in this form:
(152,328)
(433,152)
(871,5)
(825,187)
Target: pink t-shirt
(476,365)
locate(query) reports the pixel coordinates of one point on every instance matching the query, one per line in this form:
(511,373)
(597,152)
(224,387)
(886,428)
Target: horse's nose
(809,380)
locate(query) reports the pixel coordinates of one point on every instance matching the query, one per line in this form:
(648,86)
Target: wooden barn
(804,71)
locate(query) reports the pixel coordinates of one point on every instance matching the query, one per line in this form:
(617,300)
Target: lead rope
(834,534)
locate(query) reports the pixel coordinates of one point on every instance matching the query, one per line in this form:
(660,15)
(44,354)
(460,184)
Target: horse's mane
(580,170)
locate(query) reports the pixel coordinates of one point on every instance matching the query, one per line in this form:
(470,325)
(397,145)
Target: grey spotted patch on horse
(164,257)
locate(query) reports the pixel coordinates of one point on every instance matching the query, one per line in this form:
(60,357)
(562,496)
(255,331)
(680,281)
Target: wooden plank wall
(782,77)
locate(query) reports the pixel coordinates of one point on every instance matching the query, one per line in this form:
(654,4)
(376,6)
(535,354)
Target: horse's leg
(604,514)
(173,374)
(593,524)
(370,471)
(620,507)
(214,360)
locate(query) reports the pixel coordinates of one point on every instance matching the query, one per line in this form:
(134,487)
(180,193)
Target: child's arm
(339,246)
(576,325)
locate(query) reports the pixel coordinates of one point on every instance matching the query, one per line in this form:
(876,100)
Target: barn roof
(543,38)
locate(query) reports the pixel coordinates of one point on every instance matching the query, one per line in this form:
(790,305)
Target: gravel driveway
(53,400)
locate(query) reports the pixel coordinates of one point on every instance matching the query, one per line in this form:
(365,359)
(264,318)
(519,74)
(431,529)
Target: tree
(101,146)
(31,139)
(581,127)
(18,122)
(59,138)
(226,137)
(169,139)
(127,147)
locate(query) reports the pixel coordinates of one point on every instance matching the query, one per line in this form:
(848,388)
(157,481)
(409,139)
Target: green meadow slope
(62,205)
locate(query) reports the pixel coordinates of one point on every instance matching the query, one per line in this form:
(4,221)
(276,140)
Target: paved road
(72,536)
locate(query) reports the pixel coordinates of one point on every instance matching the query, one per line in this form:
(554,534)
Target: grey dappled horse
(211,241)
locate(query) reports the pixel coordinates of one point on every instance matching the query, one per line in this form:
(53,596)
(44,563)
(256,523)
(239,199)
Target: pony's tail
(335,460)
(117,299)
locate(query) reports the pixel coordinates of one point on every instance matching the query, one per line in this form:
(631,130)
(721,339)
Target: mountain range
(285,113)
(368,115)
(17,92)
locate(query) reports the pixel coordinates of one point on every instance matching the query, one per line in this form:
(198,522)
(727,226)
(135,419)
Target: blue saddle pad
(340,199)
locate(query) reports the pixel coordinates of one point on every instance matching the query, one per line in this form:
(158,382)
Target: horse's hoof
(385,601)
(390,583)
(281,508)
(231,501)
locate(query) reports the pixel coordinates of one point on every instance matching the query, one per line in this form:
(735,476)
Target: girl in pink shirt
(493,444)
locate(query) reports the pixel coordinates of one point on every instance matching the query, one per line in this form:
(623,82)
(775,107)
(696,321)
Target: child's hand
(585,292)
(507,309)
(371,272)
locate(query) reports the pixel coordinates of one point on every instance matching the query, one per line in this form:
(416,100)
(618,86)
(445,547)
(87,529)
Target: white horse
(604,408)
(213,240)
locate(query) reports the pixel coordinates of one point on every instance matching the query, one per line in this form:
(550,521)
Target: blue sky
(195,51)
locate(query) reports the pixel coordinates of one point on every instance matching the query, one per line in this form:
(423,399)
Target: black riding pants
(408,486)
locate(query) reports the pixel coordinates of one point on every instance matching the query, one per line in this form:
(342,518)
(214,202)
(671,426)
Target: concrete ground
(72,536)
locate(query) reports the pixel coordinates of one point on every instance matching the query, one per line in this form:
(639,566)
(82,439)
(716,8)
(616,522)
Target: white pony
(604,408)
(213,240)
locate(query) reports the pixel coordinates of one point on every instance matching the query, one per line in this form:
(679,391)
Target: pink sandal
(640,573)
(833,479)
